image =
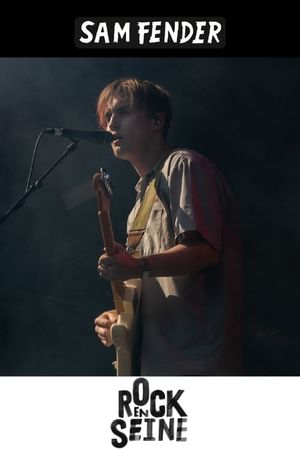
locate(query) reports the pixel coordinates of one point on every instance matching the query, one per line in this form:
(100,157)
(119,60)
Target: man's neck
(150,158)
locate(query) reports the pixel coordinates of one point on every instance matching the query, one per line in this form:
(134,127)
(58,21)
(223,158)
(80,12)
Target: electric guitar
(124,292)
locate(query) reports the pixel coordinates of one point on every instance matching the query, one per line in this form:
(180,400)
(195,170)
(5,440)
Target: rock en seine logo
(146,415)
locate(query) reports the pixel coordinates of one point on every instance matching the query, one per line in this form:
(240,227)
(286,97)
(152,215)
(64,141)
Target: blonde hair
(142,93)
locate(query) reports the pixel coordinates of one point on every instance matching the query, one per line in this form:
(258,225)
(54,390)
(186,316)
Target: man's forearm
(182,259)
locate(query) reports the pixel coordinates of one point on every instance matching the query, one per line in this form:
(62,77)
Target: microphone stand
(38,183)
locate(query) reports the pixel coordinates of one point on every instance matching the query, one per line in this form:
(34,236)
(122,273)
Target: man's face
(131,126)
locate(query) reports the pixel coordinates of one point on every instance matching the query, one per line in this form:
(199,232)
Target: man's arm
(182,259)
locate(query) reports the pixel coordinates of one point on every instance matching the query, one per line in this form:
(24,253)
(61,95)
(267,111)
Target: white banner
(90,413)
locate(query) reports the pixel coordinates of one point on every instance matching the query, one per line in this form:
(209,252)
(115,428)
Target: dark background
(241,112)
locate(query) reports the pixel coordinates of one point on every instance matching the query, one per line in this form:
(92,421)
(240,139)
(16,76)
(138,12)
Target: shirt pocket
(159,232)
(151,241)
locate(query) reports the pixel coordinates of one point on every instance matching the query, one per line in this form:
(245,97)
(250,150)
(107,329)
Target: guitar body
(122,330)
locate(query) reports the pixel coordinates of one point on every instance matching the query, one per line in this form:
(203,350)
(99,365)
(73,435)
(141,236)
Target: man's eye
(124,110)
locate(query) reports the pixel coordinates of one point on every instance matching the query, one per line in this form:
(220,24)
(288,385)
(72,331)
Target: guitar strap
(139,224)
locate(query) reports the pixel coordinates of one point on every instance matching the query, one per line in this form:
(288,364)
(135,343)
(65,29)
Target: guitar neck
(109,240)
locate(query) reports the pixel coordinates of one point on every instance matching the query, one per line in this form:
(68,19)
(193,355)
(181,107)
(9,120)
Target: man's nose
(113,122)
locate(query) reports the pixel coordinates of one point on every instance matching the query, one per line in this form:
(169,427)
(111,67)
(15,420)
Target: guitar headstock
(103,188)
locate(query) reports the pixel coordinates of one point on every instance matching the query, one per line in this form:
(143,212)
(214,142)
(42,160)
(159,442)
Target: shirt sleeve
(197,198)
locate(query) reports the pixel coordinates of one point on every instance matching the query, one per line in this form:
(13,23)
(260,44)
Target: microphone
(97,137)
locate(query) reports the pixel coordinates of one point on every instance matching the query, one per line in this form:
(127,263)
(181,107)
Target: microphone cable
(33,159)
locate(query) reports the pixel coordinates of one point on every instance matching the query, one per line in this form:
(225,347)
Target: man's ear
(159,120)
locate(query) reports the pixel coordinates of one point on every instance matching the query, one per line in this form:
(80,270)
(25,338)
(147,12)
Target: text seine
(151,32)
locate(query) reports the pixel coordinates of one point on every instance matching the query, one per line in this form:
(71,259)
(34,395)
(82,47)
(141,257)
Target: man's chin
(119,152)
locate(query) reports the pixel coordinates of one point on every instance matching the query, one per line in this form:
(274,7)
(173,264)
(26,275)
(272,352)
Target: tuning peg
(104,173)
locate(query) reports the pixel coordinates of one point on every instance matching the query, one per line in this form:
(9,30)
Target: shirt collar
(152,173)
